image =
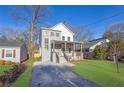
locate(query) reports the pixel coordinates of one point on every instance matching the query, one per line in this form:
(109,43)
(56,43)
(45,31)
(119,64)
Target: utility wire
(104,19)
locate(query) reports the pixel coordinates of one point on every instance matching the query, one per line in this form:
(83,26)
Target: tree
(33,17)
(115,34)
(83,33)
(116,49)
(11,33)
(100,52)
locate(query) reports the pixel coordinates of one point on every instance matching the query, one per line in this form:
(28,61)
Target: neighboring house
(13,51)
(58,45)
(89,47)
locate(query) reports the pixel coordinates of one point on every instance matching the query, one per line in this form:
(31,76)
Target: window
(57,34)
(87,50)
(8,53)
(68,38)
(46,33)
(46,43)
(63,38)
(52,33)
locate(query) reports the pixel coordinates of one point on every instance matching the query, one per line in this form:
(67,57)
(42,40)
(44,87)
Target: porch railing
(65,56)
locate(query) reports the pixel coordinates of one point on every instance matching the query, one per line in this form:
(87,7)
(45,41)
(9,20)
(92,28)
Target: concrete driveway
(57,75)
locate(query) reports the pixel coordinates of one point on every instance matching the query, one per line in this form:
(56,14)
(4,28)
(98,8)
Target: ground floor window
(46,43)
(8,53)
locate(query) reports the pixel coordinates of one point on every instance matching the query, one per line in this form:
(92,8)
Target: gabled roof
(93,42)
(97,40)
(49,29)
(10,43)
(67,26)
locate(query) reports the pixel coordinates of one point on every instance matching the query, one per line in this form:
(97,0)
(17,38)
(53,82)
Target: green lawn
(24,79)
(101,72)
(4,68)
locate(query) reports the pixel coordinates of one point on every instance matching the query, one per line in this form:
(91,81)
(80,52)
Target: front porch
(67,50)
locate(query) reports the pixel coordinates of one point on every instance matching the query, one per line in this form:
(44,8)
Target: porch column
(73,51)
(54,55)
(65,46)
(81,52)
(53,46)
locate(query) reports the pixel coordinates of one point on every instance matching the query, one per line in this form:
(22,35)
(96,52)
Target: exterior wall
(93,47)
(20,55)
(65,31)
(23,53)
(17,57)
(46,53)
(105,41)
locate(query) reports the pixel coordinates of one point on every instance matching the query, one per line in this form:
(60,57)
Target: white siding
(93,47)
(64,31)
(21,54)
(46,33)
(16,59)
(46,53)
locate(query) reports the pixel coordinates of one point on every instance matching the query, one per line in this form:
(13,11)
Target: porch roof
(70,42)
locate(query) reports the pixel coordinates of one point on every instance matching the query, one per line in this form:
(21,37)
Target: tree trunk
(31,45)
(116,63)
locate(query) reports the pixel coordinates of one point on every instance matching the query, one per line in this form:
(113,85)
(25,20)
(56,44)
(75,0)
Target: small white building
(13,51)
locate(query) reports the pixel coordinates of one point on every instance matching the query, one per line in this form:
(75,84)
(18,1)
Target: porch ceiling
(68,42)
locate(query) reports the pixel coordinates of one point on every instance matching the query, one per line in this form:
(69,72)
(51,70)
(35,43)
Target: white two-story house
(58,45)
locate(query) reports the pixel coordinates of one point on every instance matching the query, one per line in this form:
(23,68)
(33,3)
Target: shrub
(8,62)
(2,62)
(12,74)
(100,52)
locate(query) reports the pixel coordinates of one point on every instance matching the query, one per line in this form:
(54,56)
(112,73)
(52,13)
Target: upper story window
(57,34)
(68,38)
(63,37)
(52,33)
(46,33)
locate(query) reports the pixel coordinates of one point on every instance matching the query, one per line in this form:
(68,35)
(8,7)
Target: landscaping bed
(24,79)
(101,72)
(11,74)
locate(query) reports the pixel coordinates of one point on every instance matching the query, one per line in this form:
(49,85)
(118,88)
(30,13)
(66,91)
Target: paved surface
(57,75)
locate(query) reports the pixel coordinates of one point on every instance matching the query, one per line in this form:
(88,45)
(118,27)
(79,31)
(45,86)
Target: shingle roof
(92,42)
(10,43)
(99,39)
(69,27)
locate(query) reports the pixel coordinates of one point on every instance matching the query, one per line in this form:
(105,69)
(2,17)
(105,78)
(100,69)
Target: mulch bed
(12,74)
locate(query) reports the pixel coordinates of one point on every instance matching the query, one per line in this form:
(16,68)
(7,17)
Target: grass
(4,68)
(24,78)
(101,72)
